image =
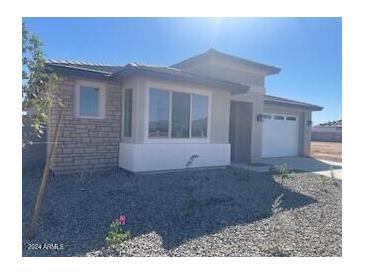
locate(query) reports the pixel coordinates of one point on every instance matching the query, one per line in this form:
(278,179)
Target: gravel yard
(216,212)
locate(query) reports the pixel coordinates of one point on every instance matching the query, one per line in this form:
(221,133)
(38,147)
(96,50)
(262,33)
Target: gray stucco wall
(304,130)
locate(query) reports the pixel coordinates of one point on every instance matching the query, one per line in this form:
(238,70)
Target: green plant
(284,172)
(38,84)
(191,160)
(116,233)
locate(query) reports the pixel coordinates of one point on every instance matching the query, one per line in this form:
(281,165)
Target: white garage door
(280,135)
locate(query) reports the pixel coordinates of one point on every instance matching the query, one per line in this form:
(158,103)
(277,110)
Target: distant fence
(327,136)
(33,155)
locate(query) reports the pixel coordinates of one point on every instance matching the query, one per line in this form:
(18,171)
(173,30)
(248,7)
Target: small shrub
(116,233)
(191,160)
(284,172)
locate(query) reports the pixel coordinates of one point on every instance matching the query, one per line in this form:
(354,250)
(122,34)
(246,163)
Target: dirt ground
(330,151)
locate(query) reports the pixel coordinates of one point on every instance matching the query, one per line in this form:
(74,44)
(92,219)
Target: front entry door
(240,131)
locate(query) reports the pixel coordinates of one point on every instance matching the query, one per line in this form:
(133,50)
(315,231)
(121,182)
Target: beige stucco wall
(304,130)
(227,70)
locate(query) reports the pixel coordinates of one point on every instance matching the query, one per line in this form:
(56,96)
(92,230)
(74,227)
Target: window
(266,116)
(159,113)
(180,118)
(199,116)
(291,118)
(89,101)
(177,115)
(127,113)
(278,117)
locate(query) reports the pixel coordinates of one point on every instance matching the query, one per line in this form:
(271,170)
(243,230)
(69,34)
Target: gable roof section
(119,72)
(212,52)
(269,99)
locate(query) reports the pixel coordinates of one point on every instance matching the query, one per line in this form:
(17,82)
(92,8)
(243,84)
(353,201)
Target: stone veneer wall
(86,144)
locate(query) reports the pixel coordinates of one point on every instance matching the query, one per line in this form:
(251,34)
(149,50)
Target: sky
(308,50)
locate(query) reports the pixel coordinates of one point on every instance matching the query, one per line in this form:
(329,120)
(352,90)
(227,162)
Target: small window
(127,113)
(266,116)
(89,102)
(291,118)
(278,117)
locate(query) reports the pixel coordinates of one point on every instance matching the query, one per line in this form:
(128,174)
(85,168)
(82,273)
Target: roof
(212,52)
(336,124)
(115,72)
(287,102)
(119,72)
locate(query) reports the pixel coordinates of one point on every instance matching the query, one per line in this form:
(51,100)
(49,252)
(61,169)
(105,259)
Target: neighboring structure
(328,132)
(147,118)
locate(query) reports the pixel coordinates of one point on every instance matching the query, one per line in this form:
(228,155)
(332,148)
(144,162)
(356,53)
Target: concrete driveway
(307,164)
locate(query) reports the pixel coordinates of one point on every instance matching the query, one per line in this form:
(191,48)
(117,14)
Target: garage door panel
(280,137)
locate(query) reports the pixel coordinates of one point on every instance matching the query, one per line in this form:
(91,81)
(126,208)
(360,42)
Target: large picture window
(127,113)
(177,114)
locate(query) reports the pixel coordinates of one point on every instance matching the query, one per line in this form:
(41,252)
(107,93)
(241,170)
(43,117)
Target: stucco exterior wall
(304,130)
(141,153)
(86,144)
(229,71)
(219,112)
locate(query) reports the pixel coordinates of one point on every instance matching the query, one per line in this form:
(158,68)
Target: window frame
(101,102)
(123,113)
(172,89)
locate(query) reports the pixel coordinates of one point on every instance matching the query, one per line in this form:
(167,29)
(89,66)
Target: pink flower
(122,219)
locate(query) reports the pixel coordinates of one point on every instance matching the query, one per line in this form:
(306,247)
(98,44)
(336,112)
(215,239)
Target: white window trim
(169,140)
(284,115)
(125,138)
(98,85)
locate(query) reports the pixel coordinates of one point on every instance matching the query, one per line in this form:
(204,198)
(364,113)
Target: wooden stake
(42,188)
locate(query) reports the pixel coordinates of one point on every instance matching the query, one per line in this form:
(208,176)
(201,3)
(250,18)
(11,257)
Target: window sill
(177,141)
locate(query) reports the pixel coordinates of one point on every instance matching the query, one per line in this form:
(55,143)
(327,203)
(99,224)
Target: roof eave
(269,70)
(232,87)
(295,105)
(75,71)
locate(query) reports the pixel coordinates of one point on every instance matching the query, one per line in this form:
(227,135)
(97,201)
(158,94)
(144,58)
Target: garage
(280,135)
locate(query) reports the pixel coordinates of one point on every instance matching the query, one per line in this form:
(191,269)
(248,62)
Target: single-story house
(149,118)
(328,132)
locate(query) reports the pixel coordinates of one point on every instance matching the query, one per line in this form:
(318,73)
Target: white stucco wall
(142,153)
(155,157)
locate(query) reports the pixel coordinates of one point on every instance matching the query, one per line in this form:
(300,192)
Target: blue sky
(307,49)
